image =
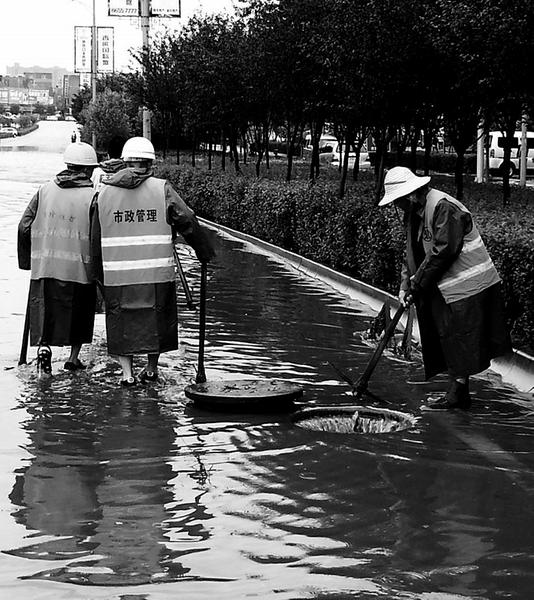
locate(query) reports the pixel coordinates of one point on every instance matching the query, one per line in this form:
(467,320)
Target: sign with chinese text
(165,8)
(82,49)
(105,54)
(123,8)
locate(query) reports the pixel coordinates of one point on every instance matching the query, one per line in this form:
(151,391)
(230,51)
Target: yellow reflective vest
(60,234)
(135,236)
(473,271)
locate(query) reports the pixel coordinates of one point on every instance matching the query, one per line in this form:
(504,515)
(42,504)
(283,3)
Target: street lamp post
(145,28)
(93,65)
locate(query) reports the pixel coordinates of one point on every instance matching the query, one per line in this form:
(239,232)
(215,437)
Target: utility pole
(523,153)
(145,28)
(480,154)
(93,64)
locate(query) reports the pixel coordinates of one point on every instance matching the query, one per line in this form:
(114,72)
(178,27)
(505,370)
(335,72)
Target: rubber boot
(457,396)
(44,360)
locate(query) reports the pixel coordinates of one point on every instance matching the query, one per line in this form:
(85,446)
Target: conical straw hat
(399,182)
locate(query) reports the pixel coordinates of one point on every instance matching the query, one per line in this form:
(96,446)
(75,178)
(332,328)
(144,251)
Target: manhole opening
(354,419)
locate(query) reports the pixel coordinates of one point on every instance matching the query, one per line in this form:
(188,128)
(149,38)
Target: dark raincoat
(461,337)
(61,312)
(142,318)
(107,167)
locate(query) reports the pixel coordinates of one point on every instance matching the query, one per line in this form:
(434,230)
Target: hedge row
(439,162)
(352,236)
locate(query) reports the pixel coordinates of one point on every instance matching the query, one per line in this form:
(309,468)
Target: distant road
(50,136)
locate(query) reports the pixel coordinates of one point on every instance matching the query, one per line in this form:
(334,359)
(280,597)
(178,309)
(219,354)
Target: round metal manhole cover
(353,419)
(244,394)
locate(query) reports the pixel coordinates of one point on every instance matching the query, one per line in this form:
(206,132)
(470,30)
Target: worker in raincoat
(53,242)
(453,282)
(135,219)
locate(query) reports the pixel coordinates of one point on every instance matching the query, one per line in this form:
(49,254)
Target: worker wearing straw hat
(453,282)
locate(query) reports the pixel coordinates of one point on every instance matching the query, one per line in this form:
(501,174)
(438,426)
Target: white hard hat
(138,148)
(399,182)
(80,153)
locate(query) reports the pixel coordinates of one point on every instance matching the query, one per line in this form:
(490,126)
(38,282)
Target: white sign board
(165,8)
(123,8)
(82,49)
(104,50)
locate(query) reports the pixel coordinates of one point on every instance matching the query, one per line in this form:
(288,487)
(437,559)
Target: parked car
(70,118)
(496,152)
(10,130)
(331,151)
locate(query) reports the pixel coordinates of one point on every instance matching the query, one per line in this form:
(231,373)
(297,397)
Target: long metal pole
(523,154)
(93,64)
(480,154)
(145,28)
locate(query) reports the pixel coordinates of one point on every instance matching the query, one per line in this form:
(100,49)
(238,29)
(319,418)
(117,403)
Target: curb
(516,368)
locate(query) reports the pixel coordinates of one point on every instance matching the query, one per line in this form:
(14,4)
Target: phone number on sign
(129,12)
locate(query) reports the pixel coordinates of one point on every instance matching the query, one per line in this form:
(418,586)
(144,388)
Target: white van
(331,151)
(496,152)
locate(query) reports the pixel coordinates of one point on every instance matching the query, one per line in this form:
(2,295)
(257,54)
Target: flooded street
(135,494)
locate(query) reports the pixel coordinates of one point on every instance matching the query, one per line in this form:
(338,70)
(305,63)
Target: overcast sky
(41,32)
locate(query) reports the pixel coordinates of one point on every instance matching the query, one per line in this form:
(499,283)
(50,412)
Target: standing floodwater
(133,493)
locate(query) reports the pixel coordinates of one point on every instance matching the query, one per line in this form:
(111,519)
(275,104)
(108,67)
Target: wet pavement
(136,494)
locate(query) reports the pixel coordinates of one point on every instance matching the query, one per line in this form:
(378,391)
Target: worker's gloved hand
(205,255)
(408,297)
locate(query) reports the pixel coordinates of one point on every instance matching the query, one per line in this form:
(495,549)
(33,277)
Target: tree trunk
(234,153)
(428,136)
(459,173)
(344,170)
(316,132)
(223,151)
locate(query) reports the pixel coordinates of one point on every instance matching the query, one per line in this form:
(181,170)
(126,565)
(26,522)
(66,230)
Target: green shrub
(352,236)
(439,162)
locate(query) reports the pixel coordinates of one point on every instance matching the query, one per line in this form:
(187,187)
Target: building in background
(38,85)
(71,86)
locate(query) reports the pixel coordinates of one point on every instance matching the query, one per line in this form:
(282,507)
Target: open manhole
(352,419)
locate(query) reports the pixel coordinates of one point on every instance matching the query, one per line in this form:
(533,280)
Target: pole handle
(201,374)
(188,296)
(361,386)
(25,333)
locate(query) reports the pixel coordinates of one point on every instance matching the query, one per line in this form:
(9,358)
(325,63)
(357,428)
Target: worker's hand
(205,255)
(407,298)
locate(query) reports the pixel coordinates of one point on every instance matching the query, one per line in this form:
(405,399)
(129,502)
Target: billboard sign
(104,50)
(165,8)
(123,8)
(82,49)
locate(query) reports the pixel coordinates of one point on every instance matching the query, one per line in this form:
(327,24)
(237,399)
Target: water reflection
(99,489)
(19,148)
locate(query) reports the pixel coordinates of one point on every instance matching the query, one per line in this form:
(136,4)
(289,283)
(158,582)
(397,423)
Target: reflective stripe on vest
(473,271)
(136,238)
(60,234)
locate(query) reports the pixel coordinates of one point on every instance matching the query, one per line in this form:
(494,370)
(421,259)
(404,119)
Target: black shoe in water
(457,397)
(75,365)
(44,360)
(129,382)
(148,376)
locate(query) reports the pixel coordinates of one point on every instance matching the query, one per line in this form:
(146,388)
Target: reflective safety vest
(60,234)
(137,242)
(473,270)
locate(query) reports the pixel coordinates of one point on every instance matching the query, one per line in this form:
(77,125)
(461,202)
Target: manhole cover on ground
(353,419)
(244,394)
